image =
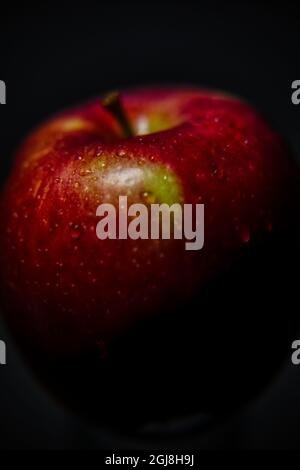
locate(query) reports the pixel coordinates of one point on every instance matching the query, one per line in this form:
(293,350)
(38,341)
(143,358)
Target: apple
(130,330)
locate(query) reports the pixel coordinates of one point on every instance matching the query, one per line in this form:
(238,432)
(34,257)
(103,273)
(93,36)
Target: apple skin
(77,304)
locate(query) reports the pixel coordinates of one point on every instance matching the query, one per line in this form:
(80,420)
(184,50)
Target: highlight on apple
(159,217)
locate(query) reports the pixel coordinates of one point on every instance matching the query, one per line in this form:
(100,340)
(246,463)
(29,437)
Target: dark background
(54,56)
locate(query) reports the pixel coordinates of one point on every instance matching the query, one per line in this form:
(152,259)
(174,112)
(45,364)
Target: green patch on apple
(161,186)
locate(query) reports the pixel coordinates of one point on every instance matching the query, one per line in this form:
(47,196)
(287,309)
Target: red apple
(122,325)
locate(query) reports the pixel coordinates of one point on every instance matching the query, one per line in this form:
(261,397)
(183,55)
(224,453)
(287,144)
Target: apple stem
(112,102)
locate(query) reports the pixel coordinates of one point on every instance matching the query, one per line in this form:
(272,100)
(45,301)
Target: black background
(56,55)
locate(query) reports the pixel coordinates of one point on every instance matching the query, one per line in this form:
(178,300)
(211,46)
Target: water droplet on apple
(200,175)
(217,171)
(84,172)
(148,196)
(76,232)
(60,212)
(245,234)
